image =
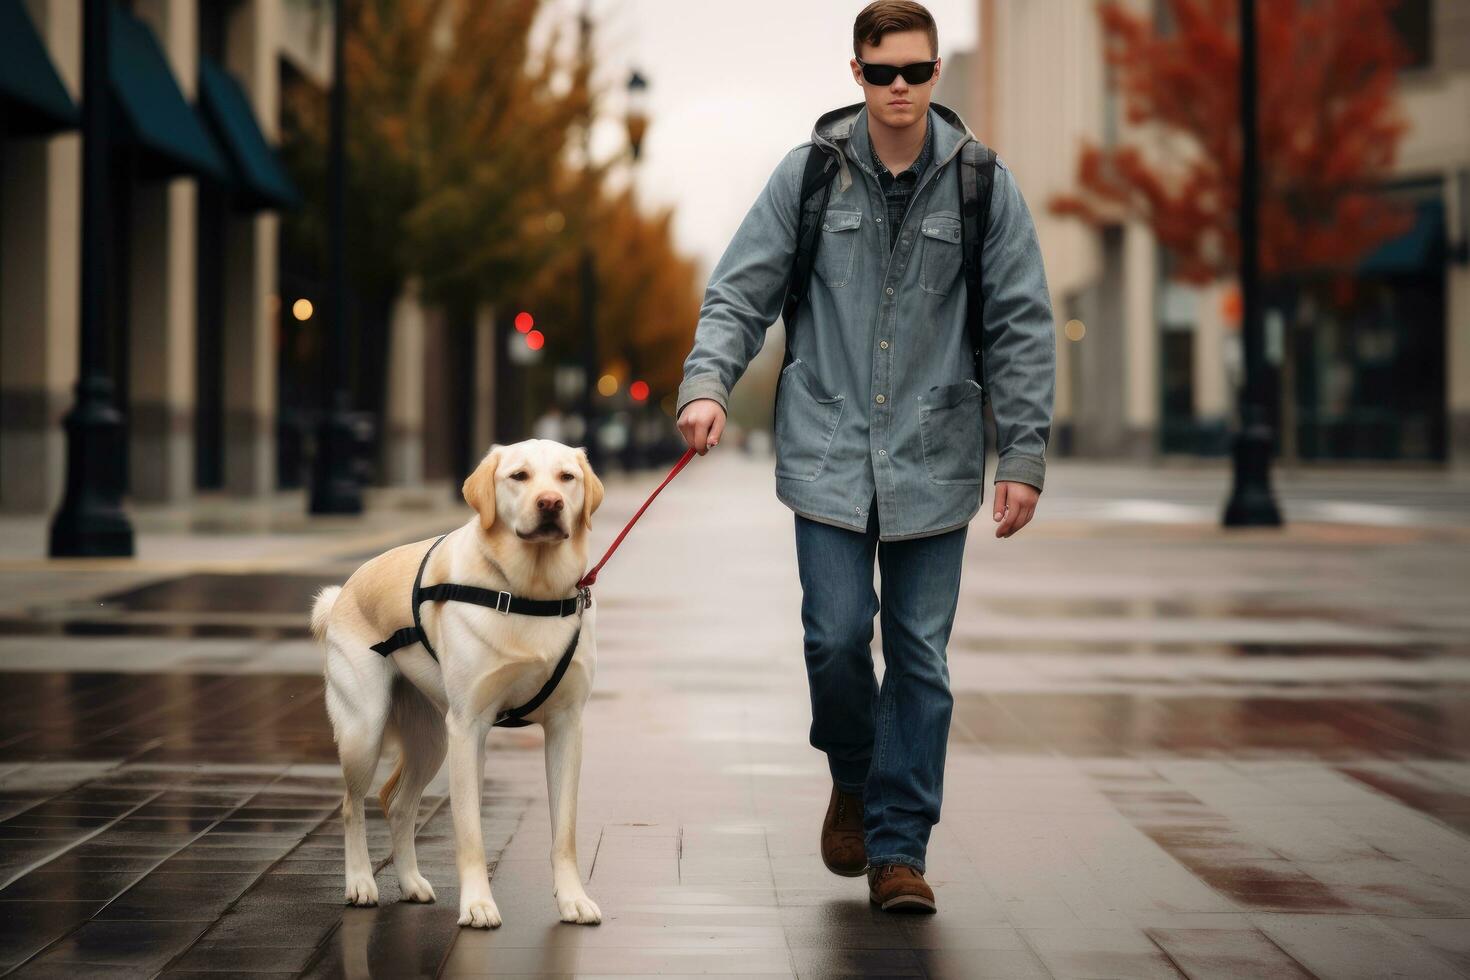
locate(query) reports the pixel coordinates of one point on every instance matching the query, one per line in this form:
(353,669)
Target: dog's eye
(518,475)
(568,476)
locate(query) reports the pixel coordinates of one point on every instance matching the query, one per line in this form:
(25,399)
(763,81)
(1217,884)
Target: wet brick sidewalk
(1176,751)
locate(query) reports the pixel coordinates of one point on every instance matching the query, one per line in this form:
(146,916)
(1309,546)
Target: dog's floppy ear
(592,495)
(479,487)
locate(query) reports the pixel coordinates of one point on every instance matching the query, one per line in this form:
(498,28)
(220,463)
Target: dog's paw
(415,888)
(362,890)
(579,908)
(480,914)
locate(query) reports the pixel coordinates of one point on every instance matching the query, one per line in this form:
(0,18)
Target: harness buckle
(498,597)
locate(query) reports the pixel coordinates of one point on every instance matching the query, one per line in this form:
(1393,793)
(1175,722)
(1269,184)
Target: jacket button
(880,399)
(880,221)
(882,452)
(890,290)
(883,344)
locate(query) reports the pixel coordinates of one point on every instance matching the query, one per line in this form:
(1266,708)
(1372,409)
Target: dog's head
(542,490)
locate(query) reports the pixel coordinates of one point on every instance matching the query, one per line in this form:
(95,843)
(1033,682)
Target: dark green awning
(260,179)
(35,102)
(155,115)
(1420,249)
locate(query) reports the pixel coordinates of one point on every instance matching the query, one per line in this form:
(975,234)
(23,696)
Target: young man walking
(879,427)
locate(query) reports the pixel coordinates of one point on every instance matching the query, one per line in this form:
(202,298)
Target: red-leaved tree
(1329,127)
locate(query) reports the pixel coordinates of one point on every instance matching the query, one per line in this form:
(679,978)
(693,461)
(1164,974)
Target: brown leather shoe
(900,888)
(843,851)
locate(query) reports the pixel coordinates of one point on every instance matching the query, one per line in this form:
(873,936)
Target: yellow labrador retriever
(534,502)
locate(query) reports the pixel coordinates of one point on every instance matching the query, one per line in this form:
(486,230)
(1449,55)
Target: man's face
(897,104)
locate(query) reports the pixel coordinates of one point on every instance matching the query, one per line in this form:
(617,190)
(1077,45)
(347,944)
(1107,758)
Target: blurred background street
(275,274)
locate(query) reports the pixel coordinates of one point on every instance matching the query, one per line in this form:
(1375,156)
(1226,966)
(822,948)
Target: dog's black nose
(550,502)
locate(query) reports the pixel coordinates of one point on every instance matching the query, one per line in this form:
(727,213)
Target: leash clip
(584,597)
(498,597)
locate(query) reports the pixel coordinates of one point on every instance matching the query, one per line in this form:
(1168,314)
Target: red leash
(591,576)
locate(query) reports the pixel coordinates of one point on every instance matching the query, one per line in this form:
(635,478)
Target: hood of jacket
(844,132)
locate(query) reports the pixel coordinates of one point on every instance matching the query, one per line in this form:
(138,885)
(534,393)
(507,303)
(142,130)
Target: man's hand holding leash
(702,424)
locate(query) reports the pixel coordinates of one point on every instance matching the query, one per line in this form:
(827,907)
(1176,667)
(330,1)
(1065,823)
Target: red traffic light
(535,340)
(524,321)
(638,390)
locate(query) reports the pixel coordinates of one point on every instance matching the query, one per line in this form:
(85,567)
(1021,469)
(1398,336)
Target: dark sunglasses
(914,74)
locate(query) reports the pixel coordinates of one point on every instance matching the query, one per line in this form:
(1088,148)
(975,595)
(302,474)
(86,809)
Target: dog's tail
(321,609)
(390,785)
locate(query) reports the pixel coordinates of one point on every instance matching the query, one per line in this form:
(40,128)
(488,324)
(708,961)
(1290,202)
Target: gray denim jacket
(880,397)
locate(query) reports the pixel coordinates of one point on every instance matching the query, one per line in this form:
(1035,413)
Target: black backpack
(976,174)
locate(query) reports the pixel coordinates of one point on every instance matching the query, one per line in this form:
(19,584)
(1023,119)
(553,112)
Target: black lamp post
(591,359)
(335,484)
(637,123)
(1251,502)
(91,522)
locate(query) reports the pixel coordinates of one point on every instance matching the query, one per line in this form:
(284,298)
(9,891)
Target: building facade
(217,333)
(1148,365)
(194,189)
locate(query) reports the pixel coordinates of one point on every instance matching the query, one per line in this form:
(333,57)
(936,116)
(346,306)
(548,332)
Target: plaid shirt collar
(915,169)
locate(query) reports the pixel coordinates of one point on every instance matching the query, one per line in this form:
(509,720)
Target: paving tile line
(449,947)
(1149,933)
(42,862)
(1255,915)
(771,871)
(321,946)
(229,814)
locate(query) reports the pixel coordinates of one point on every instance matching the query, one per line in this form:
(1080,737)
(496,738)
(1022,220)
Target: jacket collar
(844,131)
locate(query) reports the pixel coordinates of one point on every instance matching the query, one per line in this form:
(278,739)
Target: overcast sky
(732,87)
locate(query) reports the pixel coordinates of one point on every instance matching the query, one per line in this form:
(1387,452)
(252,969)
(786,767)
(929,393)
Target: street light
(1251,502)
(91,522)
(637,111)
(637,123)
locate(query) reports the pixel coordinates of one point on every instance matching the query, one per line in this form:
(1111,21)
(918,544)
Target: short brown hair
(884,16)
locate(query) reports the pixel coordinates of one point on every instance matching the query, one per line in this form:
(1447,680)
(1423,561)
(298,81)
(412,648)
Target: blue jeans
(885,744)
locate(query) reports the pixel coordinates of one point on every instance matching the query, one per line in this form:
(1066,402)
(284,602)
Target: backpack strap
(977,177)
(816,188)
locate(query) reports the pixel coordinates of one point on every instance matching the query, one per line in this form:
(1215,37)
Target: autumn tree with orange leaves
(648,293)
(1329,129)
(456,133)
(458,176)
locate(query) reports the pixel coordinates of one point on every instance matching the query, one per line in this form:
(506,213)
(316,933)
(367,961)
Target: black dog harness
(502,602)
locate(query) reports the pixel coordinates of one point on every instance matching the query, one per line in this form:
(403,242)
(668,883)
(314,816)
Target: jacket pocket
(940,263)
(806,420)
(952,430)
(835,251)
